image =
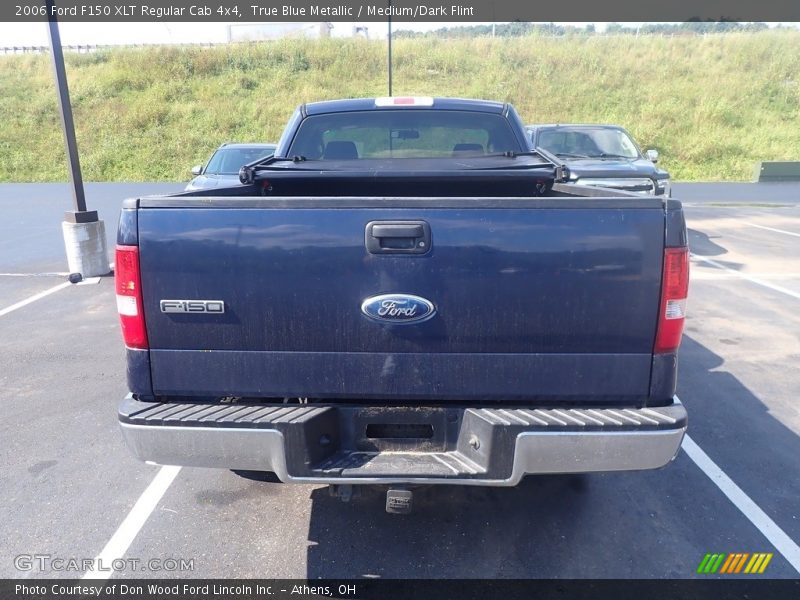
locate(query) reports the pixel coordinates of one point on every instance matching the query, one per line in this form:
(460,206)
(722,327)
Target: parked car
(604,156)
(222,169)
(404,294)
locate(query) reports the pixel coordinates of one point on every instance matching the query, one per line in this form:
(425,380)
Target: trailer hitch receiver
(399,501)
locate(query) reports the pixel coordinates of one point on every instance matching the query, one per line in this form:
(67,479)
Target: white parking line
(34,298)
(769,529)
(54,274)
(713,275)
(755,280)
(123,537)
(792,233)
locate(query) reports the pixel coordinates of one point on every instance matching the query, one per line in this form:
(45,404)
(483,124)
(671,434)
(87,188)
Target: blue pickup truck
(403,294)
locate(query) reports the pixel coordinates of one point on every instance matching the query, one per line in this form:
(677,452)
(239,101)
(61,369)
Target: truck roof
(353,104)
(567,125)
(248,145)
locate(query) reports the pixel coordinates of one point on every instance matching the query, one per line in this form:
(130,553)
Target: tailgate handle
(398,237)
(397,231)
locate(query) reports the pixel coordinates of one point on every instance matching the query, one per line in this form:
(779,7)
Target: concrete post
(87,252)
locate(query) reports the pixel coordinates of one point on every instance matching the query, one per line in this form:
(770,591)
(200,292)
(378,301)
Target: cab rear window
(415,133)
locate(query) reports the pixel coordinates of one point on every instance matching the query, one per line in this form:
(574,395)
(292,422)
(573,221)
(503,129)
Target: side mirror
(197,169)
(652,155)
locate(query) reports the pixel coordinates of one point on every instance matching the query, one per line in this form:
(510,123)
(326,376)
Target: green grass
(712,105)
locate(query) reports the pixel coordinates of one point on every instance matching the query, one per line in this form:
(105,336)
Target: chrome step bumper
(469,446)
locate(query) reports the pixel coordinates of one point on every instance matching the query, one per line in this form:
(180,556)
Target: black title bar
(205,11)
(388,589)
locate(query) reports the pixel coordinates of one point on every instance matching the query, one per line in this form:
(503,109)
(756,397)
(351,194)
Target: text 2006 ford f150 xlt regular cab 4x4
(404,294)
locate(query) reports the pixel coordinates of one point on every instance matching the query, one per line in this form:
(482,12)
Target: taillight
(129,296)
(674,289)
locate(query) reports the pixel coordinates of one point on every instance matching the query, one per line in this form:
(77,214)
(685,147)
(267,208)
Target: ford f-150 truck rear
(404,294)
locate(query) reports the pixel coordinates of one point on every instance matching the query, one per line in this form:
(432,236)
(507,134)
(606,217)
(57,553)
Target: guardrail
(87,48)
(83,49)
(776,170)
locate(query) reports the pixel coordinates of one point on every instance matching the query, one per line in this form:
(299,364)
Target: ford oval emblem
(398,308)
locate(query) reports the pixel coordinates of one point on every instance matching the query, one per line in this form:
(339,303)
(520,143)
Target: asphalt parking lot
(70,489)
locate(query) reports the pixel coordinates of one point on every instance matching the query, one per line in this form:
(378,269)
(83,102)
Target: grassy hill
(712,105)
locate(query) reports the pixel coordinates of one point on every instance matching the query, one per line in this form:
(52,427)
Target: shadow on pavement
(736,429)
(641,524)
(453,531)
(700,243)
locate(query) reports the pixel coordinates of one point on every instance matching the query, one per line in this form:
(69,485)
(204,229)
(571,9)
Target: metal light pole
(67,123)
(390,47)
(84,233)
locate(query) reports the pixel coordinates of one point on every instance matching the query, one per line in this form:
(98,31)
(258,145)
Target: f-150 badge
(211,307)
(398,308)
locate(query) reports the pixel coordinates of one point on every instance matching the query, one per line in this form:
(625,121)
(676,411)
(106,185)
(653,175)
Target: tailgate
(526,298)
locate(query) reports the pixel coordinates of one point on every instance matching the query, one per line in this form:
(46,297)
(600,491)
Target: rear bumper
(364,445)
